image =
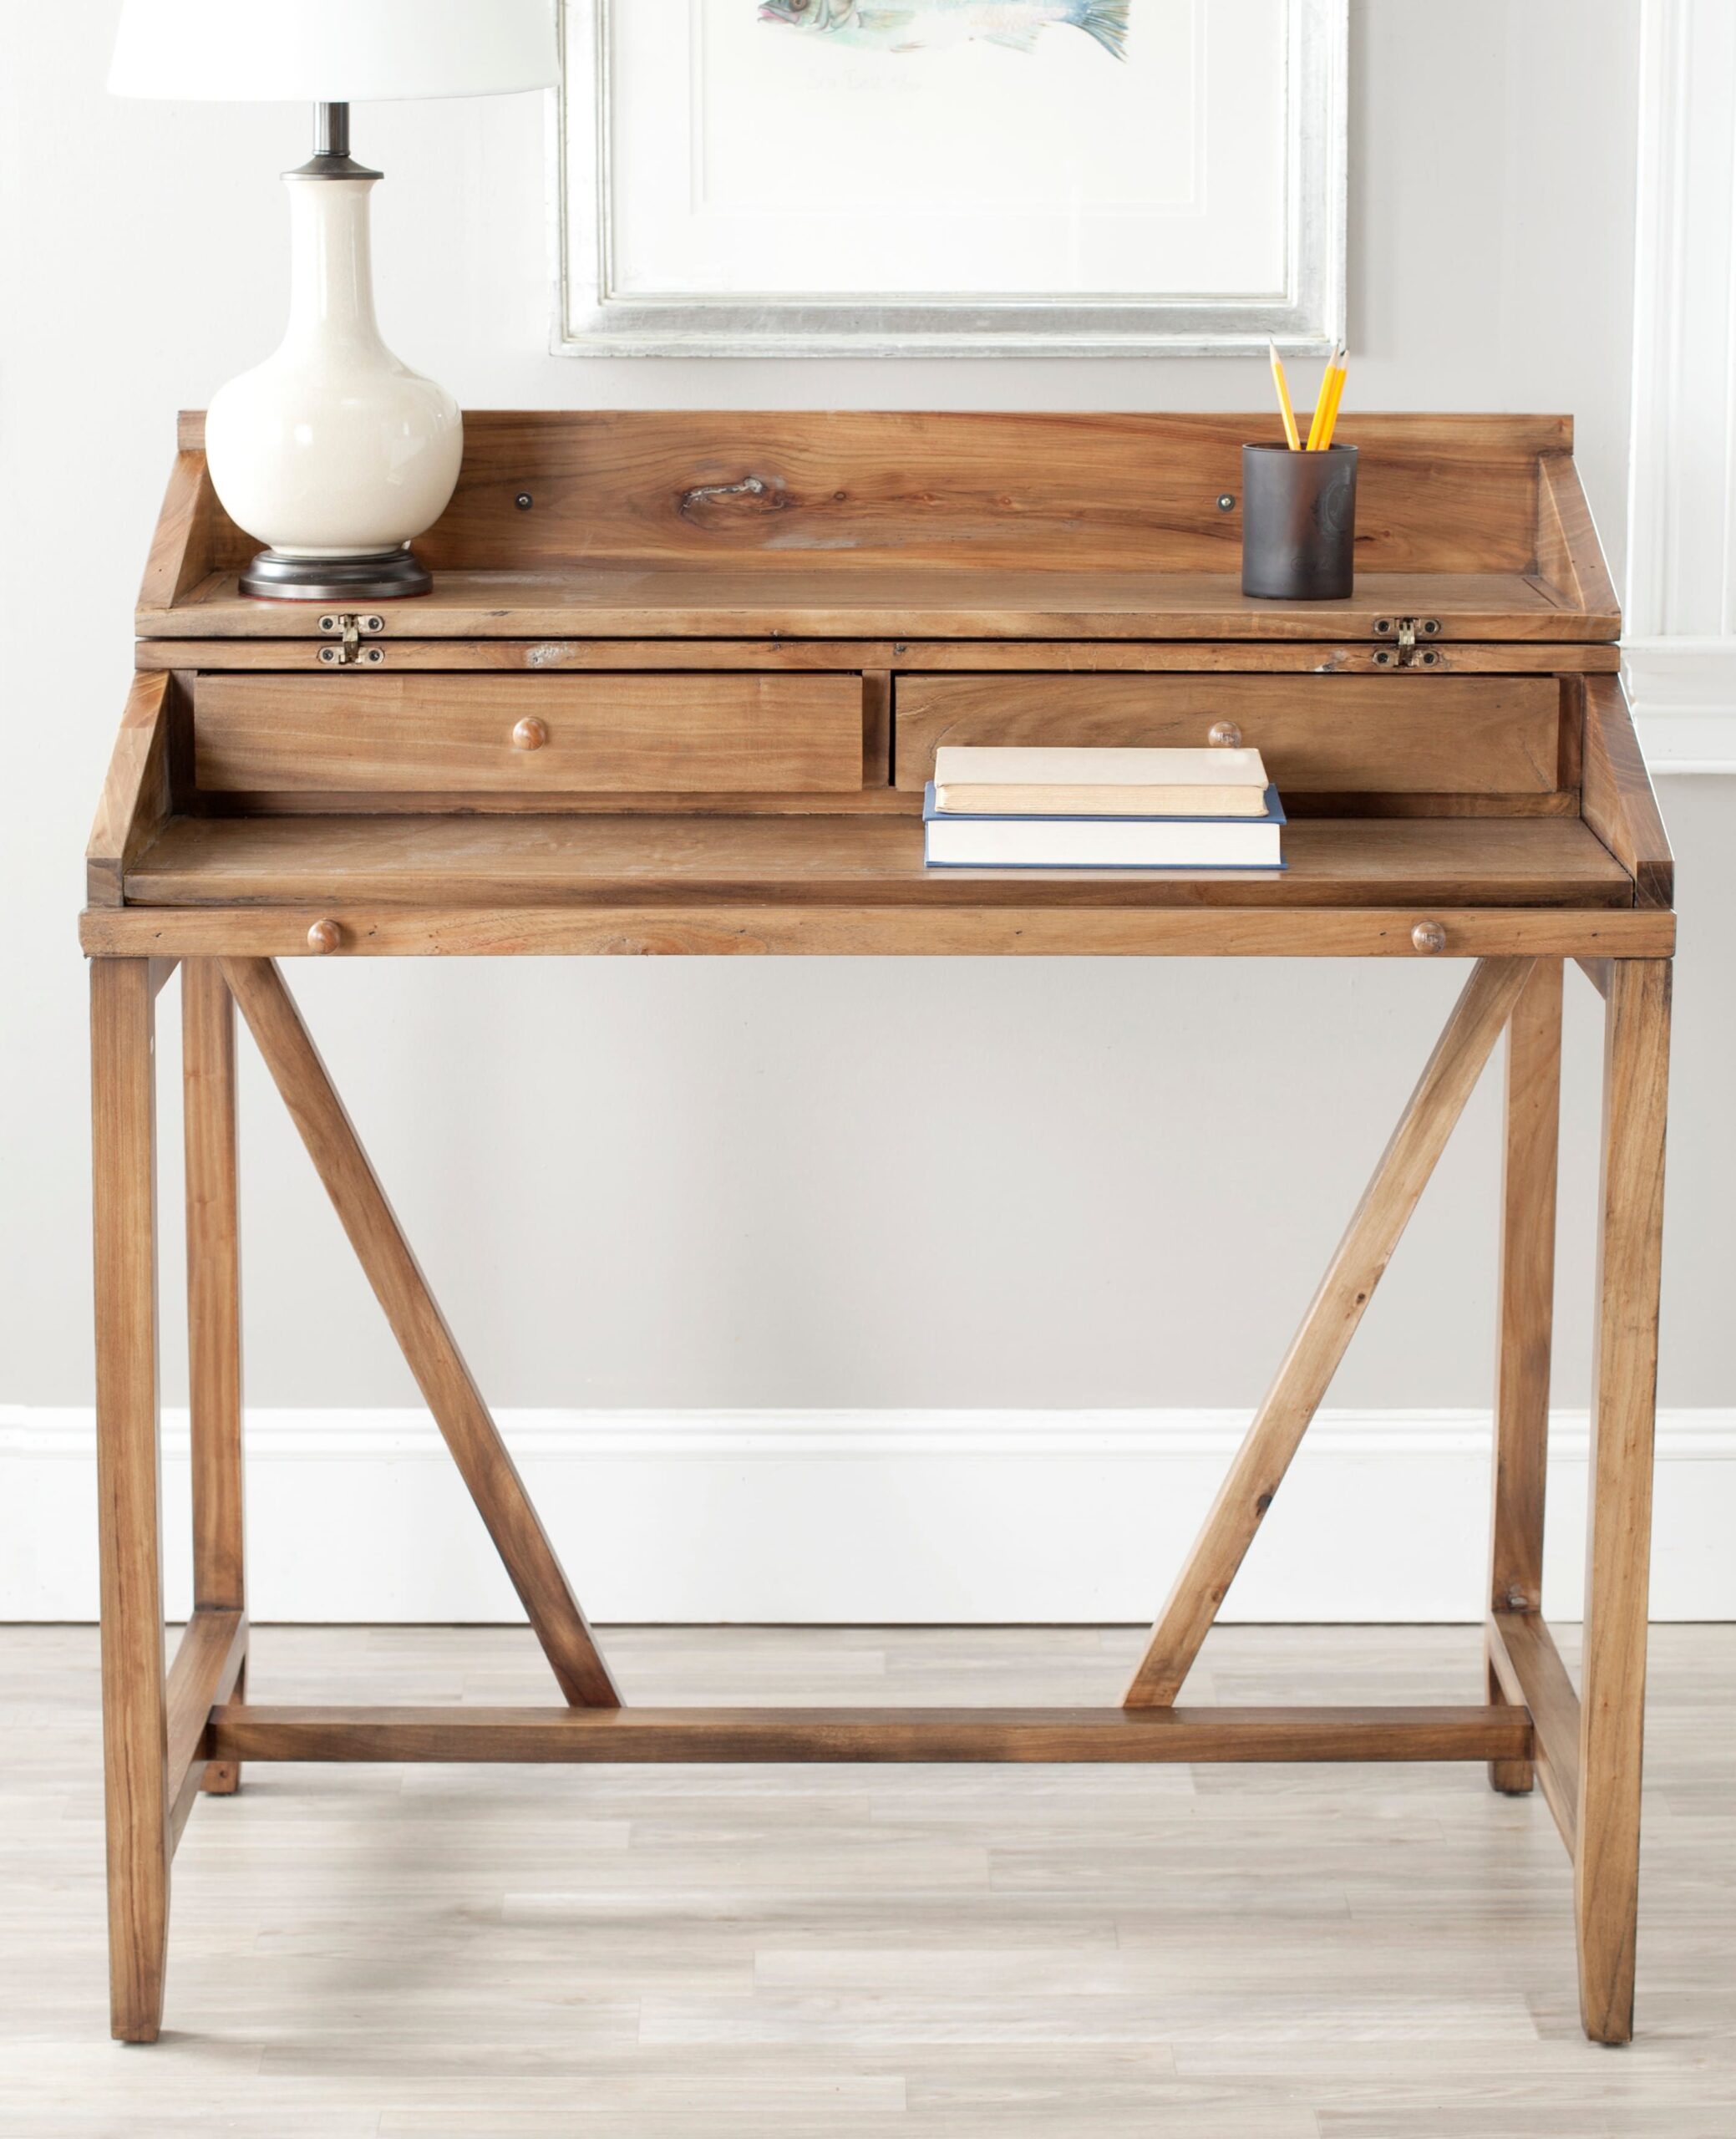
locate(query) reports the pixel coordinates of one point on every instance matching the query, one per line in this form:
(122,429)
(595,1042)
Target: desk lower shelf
(484,860)
(820,596)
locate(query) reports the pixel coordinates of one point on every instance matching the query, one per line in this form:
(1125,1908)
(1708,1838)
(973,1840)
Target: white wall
(805,1184)
(1681,608)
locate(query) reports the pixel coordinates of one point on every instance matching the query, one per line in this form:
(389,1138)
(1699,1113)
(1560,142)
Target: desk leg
(214,1336)
(136,1754)
(1526,1313)
(1624,1387)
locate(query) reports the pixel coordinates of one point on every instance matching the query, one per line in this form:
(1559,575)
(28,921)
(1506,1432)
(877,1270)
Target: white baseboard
(877,1516)
(1683,695)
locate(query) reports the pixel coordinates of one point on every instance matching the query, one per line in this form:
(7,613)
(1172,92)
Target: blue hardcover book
(952,842)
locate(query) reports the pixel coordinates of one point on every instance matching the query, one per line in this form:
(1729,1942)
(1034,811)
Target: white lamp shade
(333,51)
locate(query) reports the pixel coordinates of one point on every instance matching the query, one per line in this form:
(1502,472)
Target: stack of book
(991,808)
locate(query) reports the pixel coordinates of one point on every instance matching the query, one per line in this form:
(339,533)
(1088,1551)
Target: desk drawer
(1351,734)
(566,734)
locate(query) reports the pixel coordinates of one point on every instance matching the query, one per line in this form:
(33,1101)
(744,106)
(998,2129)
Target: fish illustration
(921,24)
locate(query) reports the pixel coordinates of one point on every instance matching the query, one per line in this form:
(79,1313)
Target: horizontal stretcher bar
(795,929)
(1064,1735)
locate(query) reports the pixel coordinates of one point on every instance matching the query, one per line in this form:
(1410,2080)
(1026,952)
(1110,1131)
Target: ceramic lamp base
(388,577)
(332,453)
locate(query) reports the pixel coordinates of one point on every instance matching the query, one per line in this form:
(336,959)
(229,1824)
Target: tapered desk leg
(1526,1315)
(134,1715)
(214,1335)
(1618,1546)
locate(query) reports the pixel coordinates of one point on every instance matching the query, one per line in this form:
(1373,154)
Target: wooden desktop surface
(409,860)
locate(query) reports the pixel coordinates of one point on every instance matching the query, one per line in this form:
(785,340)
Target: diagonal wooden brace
(1303,1379)
(427,1343)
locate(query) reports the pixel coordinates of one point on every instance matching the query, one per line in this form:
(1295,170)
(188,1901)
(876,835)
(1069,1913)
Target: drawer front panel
(568,735)
(1349,735)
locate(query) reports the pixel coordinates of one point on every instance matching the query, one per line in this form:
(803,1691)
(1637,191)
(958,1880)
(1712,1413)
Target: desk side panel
(1618,800)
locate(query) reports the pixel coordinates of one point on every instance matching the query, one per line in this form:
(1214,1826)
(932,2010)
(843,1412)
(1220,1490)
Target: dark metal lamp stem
(331,129)
(331,158)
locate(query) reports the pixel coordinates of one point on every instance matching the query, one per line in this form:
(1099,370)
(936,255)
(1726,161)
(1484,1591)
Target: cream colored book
(987,780)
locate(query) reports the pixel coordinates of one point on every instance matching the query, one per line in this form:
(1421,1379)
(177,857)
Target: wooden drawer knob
(529,734)
(324,938)
(1226,736)
(1429,937)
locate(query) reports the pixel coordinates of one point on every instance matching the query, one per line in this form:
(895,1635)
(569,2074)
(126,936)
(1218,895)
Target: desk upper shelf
(871,598)
(934,527)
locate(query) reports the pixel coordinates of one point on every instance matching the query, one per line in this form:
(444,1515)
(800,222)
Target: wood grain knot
(763,494)
(324,938)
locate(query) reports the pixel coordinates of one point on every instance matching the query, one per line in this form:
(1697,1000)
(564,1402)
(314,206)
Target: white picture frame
(656,258)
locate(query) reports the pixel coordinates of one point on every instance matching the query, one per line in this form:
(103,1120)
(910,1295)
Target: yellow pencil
(1331,412)
(1326,388)
(1284,404)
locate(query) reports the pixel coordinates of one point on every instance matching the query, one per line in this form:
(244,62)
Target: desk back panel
(788,492)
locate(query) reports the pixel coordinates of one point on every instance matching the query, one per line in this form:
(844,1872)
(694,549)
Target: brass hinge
(1407,631)
(351,653)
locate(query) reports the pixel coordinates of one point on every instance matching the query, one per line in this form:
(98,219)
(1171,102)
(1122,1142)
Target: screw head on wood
(324,938)
(1429,937)
(524,500)
(1226,503)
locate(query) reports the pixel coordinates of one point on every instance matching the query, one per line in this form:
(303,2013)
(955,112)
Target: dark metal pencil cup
(1298,523)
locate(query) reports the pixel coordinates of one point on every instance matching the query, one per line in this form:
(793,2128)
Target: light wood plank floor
(865,1954)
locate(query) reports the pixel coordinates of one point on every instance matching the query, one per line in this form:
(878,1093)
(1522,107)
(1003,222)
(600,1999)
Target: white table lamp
(331,451)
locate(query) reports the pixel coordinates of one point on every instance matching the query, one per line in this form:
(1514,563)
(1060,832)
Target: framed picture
(951,177)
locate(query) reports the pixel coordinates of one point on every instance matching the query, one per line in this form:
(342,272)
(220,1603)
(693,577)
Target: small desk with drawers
(677,691)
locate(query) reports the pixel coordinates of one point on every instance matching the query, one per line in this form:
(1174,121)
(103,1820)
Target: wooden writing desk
(678,689)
